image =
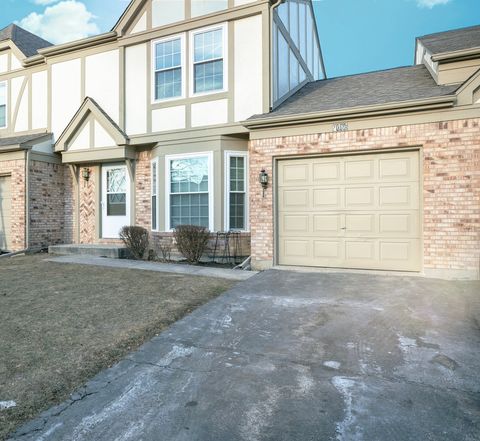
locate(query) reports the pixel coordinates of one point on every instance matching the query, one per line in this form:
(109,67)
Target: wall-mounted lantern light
(263,179)
(86,173)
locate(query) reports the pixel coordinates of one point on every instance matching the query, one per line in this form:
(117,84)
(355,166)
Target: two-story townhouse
(145,121)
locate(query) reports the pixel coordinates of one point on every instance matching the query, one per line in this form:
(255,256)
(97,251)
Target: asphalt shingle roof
(20,140)
(455,40)
(374,88)
(27,42)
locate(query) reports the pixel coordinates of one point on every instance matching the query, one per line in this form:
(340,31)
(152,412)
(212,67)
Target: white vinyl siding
(3,104)
(208,58)
(236,181)
(189,183)
(168,66)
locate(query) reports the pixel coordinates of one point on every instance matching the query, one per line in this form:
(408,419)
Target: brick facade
(451,186)
(48,222)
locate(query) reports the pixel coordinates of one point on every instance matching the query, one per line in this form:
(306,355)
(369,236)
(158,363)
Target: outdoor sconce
(263,179)
(86,173)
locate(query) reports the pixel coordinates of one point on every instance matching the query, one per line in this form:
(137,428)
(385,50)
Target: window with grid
(237,193)
(3,104)
(168,69)
(189,197)
(208,61)
(154,195)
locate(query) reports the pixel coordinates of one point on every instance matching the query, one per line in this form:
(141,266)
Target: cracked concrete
(295,356)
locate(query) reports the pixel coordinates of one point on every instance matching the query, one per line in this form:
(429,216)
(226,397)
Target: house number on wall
(340,127)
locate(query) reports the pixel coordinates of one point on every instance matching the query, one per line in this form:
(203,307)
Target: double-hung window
(189,180)
(168,68)
(236,191)
(3,105)
(209,64)
(154,190)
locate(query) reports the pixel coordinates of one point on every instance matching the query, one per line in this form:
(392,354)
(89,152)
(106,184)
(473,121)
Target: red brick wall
(16,168)
(143,190)
(48,224)
(451,186)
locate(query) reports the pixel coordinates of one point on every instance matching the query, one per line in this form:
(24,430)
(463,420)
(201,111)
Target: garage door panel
(298,200)
(295,174)
(362,211)
(291,223)
(327,172)
(327,199)
(5,212)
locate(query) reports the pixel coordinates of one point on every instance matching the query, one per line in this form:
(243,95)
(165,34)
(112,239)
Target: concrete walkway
(193,270)
(288,356)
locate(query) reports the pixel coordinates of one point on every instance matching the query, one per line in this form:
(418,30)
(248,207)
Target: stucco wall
(451,187)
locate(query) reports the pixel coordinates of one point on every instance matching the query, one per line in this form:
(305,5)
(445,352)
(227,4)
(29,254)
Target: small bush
(136,240)
(191,241)
(165,248)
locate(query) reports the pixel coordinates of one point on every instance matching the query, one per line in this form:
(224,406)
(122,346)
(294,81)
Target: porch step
(99,250)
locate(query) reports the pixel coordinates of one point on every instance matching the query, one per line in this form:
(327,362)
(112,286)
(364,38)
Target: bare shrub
(191,241)
(165,248)
(136,240)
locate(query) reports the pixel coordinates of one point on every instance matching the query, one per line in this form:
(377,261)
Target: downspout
(274,4)
(27,198)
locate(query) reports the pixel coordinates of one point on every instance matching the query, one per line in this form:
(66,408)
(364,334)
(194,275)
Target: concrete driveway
(295,356)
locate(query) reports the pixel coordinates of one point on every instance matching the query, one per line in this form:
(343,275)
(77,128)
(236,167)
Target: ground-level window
(3,104)
(236,190)
(190,190)
(154,187)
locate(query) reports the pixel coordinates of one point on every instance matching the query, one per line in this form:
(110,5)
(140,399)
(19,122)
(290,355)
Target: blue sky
(356,35)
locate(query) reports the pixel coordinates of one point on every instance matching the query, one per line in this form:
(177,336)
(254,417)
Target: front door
(5,208)
(115,200)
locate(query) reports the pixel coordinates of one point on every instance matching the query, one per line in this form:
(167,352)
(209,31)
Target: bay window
(190,190)
(3,104)
(236,191)
(209,64)
(168,63)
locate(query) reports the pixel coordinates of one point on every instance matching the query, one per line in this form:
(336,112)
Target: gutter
(78,44)
(352,113)
(463,54)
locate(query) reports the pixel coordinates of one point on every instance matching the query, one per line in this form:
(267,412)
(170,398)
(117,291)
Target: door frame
(275,164)
(129,202)
(9,175)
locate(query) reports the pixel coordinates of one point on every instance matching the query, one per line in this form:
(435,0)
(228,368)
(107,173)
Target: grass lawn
(60,324)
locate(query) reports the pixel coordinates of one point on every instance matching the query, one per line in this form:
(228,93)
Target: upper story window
(3,105)
(168,65)
(209,64)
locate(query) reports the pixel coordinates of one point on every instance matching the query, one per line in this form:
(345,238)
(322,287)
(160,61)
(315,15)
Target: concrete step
(98,250)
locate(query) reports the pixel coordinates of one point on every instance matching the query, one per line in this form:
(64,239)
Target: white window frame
(227,155)
(224,27)
(6,105)
(154,192)
(183,67)
(211,211)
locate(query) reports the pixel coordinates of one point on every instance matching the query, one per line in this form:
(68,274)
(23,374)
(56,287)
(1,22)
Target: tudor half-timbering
(147,118)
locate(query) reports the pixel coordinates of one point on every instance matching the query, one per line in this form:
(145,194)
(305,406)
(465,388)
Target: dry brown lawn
(60,324)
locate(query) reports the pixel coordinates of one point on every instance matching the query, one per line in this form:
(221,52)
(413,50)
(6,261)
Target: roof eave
(352,113)
(78,44)
(463,54)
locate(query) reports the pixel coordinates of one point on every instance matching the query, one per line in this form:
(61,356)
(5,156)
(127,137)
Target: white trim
(182,66)
(226,212)
(6,104)
(154,188)
(211,172)
(224,27)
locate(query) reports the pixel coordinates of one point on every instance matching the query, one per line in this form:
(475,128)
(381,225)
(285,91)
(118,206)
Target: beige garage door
(5,208)
(359,211)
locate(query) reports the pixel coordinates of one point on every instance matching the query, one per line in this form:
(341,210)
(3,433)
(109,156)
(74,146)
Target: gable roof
(90,106)
(368,89)
(26,42)
(449,41)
